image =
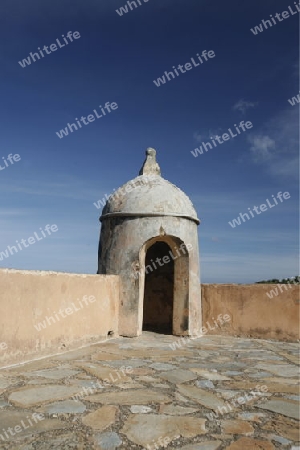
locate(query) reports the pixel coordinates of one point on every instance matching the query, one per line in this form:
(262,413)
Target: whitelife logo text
(124,9)
(294,100)
(225,136)
(31,240)
(90,118)
(65,312)
(11,158)
(267,23)
(263,207)
(53,47)
(183,69)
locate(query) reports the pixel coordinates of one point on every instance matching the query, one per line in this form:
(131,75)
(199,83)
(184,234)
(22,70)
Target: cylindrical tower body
(149,237)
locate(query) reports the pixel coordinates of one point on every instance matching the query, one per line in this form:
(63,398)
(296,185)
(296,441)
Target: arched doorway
(159,289)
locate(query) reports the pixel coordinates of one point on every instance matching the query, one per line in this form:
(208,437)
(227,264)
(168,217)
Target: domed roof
(149,195)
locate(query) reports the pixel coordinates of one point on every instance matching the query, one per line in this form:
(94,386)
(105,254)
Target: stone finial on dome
(150,166)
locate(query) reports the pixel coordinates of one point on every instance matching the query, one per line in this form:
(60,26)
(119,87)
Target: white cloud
(276,145)
(198,136)
(242,105)
(205,136)
(261,148)
(285,168)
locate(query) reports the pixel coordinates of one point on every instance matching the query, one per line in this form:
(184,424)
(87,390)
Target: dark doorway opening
(159,289)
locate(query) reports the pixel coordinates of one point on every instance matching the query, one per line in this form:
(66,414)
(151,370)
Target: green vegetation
(292,280)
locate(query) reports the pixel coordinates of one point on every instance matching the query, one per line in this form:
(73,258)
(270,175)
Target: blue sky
(116,59)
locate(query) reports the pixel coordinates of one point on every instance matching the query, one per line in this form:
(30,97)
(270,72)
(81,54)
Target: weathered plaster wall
(253,313)
(90,306)
(121,243)
(75,309)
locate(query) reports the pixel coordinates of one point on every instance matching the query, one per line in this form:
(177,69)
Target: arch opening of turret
(164,286)
(159,289)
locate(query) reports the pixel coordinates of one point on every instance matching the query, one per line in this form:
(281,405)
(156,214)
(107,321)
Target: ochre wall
(28,297)
(85,308)
(252,312)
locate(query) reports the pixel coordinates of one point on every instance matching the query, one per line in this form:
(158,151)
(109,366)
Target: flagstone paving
(153,392)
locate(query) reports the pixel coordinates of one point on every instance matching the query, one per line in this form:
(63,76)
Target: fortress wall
(253,313)
(44,313)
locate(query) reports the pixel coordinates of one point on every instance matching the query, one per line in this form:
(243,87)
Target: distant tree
(292,280)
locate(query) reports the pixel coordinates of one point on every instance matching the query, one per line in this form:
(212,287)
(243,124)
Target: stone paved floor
(211,393)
